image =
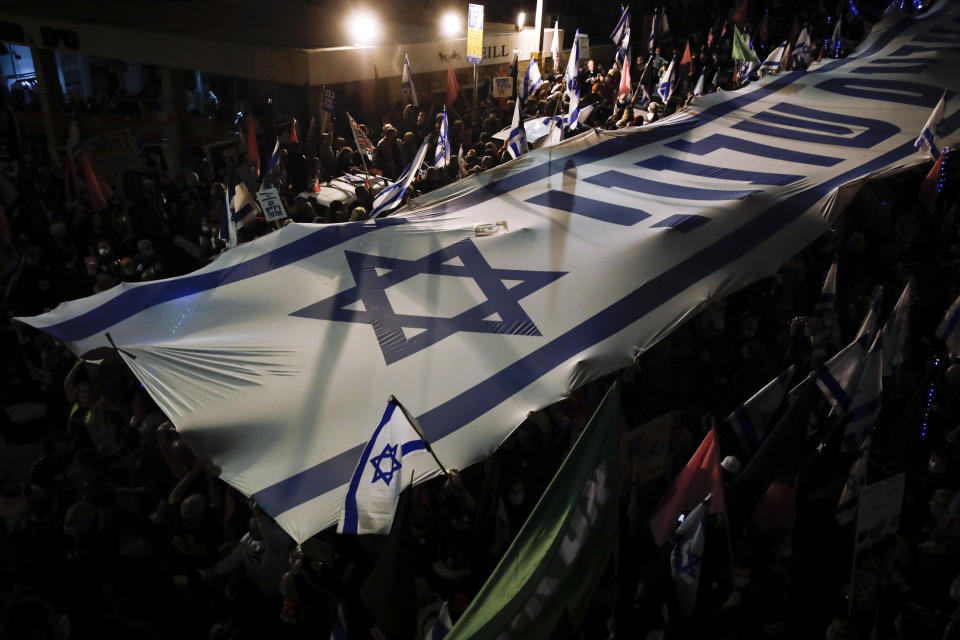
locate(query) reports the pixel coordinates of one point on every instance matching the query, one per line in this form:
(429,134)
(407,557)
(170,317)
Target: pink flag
(740,14)
(293,131)
(777,508)
(625,78)
(95,196)
(453,87)
(700,477)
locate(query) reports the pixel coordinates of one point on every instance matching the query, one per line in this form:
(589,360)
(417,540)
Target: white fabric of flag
(244,206)
(653,32)
(775,59)
(686,559)
(229,221)
(868,327)
(828,294)
(623,26)
(517,142)
(498,294)
(441,157)
(271,163)
(836,39)
(801,49)
(948,332)
(867,401)
(406,83)
(665,86)
(384,470)
(442,625)
(392,196)
(747,67)
(698,88)
(856,481)
(930,136)
(531,80)
(749,420)
(573,83)
(555,46)
(893,336)
(838,377)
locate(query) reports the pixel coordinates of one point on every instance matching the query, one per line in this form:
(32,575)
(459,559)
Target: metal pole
(475,66)
(416,427)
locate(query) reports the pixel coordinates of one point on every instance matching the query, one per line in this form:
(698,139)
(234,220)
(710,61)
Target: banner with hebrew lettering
(503,292)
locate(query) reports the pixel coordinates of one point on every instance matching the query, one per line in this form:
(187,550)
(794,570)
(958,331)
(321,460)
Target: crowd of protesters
(119,530)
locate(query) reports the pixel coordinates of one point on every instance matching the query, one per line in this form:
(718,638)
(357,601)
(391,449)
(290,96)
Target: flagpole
(419,430)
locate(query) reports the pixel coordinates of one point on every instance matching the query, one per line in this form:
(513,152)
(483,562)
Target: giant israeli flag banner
(505,291)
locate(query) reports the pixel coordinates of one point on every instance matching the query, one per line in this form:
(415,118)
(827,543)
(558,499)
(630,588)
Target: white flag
(383,471)
(406,83)
(687,558)
(828,295)
(930,134)
(572,82)
(698,89)
(555,47)
(869,325)
(749,420)
(949,330)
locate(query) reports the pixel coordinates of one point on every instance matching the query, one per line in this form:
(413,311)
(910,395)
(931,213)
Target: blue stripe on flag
(834,389)
(596,209)
(635,183)
(350,515)
(682,222)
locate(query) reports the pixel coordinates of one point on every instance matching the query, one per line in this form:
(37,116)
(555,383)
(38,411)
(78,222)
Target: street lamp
(363,27)
(450,24)
(521,18)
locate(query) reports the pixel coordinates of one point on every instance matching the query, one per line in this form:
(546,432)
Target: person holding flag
(385,469)
(746,55)
(801,49)
(441,157)
(572,84)
(774,61)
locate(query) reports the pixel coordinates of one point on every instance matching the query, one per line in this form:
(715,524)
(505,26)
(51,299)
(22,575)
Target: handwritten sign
(502,87)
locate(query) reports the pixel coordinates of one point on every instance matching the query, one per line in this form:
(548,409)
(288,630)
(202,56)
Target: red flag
(293,131)
(710,36)
(94,194)
(453,88)
(701,476)
(740,15)
(625,88)
(820,55)
(685,61)
(928,190)
(253,153)
(723,32)
(777,508)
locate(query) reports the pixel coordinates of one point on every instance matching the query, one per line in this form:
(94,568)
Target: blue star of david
(389,454)
(388,326)
(689,567)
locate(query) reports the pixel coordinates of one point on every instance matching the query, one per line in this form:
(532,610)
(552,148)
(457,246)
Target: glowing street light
(521,19)
(363,27)
(450,24)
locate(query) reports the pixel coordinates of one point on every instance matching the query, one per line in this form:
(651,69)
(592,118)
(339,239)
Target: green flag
(741,48)
(552,567)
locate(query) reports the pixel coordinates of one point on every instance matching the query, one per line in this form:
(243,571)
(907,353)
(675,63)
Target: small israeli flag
(653,31)
(749,420)
(441,157)
(775,59)
(698,88)
(622,28)
(517,142)
(801,49)
(572,83)
(406,83)
(867,402)
(381,474)
(442,625)
(930,135)
(686,559)
(391,197)
(665,88)
(271,163)
(531,80)
(839,376)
